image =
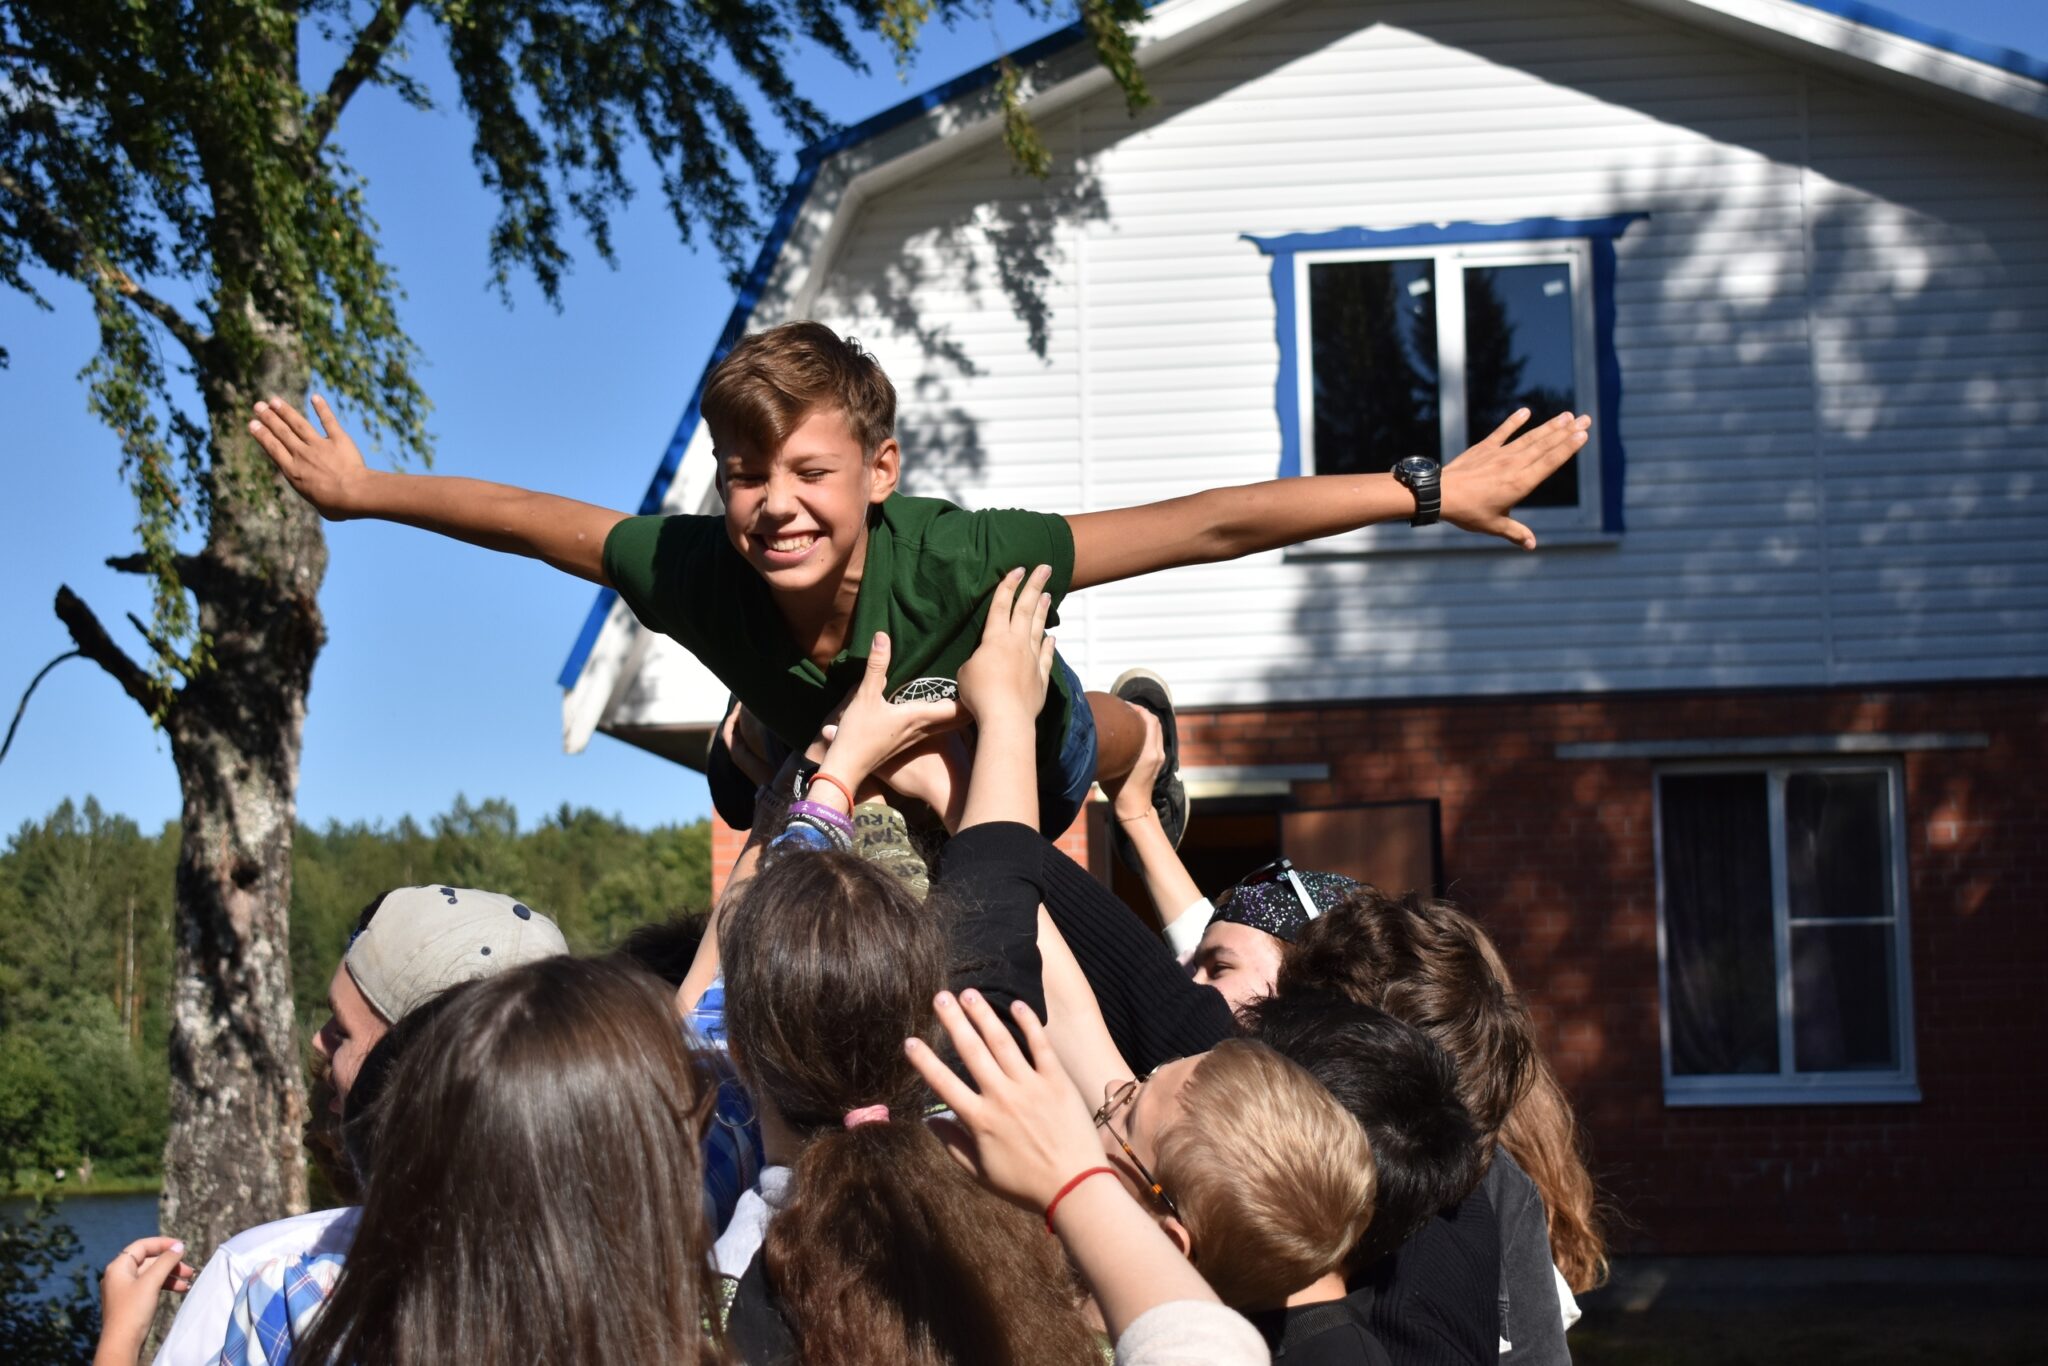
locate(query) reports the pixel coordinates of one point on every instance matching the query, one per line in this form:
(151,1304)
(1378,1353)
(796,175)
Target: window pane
(1842,998)
(1518,354)
(1721,958)
(1372,352)
(1837,850)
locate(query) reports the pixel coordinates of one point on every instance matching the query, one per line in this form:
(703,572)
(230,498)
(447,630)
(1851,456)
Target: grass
(102,1184)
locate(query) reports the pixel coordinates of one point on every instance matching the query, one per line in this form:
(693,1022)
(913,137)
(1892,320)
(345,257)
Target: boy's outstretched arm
(324,465)
(1479,490)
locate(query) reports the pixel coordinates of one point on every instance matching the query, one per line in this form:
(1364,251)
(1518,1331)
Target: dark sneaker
(1143,688)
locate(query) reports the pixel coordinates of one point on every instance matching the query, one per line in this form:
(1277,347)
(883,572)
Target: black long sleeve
(1154,1012)
(991,880)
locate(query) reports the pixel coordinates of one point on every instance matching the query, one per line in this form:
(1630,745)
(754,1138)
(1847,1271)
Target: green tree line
(85,946)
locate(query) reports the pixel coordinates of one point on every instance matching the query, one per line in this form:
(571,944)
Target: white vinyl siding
(1832,330)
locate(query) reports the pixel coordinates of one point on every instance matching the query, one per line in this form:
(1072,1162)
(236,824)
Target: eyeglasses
(1278,870)
(1119,1098)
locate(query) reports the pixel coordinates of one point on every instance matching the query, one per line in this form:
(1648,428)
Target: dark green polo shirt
(930,568)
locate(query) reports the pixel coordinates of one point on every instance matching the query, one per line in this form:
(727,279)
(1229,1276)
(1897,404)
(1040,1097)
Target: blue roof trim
(1441,234)
(808,160)
(1870,16)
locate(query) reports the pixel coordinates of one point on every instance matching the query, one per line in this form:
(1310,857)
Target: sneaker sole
(1144,688)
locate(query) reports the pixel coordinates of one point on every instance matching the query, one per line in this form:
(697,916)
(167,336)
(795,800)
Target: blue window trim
(1599,234)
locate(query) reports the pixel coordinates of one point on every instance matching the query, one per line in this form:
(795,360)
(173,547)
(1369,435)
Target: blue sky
(439,674)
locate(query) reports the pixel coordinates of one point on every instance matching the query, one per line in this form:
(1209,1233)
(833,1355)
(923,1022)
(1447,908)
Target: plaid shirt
(276,1307)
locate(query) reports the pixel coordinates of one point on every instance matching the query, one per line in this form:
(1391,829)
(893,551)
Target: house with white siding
(1744,764)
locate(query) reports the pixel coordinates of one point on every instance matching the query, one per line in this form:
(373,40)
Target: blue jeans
(1062,791)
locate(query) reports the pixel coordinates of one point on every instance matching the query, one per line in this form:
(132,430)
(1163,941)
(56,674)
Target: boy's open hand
(872,729)
(1021,1127)
(323,465)
(1485,483)
(1006,675)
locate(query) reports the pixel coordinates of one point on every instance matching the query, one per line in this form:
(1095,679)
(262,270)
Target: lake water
(104,1224)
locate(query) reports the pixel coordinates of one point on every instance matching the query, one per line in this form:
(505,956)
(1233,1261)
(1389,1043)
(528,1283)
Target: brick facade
(1558,857)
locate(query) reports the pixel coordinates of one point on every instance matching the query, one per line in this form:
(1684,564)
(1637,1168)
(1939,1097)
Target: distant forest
(85,946)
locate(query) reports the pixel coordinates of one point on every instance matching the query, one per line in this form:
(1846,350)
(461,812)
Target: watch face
(1415,465)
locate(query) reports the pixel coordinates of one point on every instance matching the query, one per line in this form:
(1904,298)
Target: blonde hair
(1273,1178)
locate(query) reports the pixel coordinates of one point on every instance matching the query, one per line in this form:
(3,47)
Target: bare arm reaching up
(323,464)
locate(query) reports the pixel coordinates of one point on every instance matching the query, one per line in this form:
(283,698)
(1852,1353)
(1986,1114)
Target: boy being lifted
(816,552)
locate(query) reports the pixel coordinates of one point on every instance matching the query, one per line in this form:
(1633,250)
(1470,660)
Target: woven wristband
(1066,1189)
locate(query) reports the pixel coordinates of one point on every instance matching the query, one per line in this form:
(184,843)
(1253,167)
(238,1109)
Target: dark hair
(359,1107)
(1424,962)
(885,1250)
(768,384)
(665,948)
(1543,1133)
(537,1190)
(1400,1087)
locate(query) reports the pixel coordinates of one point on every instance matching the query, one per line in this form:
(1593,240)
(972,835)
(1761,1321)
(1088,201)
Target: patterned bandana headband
(1279,899)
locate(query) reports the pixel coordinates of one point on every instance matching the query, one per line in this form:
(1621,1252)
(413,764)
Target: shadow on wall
(1905,338)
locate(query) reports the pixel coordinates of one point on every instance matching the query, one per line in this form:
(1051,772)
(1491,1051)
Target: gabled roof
(2004,85)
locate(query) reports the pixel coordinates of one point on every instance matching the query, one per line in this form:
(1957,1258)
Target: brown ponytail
(885,1251)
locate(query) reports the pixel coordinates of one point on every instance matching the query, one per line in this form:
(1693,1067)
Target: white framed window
(1423,349)
(1782,933)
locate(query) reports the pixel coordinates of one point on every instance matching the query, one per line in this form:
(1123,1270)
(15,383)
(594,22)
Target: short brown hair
(1272,1176)
(1430,964)
(768,384)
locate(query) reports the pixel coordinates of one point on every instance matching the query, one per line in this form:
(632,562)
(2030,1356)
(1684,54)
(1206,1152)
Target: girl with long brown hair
(866,1242)
(535,1194)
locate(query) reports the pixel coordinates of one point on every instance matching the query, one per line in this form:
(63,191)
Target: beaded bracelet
(802,836)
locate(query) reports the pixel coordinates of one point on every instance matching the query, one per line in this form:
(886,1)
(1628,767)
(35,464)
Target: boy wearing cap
(817,554)
(408,945)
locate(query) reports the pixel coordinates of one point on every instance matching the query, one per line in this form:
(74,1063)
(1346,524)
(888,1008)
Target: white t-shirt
(201,1326)
(1191,1333)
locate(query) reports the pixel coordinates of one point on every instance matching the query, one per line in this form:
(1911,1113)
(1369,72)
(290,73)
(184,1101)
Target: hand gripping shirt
(929,571)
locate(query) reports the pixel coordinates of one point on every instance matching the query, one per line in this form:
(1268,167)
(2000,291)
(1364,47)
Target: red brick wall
(1557,856)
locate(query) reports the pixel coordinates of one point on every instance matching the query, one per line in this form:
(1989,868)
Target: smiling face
(799,515)
(353,1028)
(1238,961)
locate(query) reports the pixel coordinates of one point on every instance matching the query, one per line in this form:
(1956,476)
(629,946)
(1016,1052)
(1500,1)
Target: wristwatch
(1422,477)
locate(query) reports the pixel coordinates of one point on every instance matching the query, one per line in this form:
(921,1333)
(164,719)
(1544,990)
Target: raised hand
(128,1292)
(1006,675)
(1483,485)
(322,464)
(871,729)
(1021,1128)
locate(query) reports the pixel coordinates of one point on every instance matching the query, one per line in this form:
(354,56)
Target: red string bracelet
(831,781)
(1063,1191)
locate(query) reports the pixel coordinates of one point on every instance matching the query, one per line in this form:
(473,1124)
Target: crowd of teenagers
(920,1088)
